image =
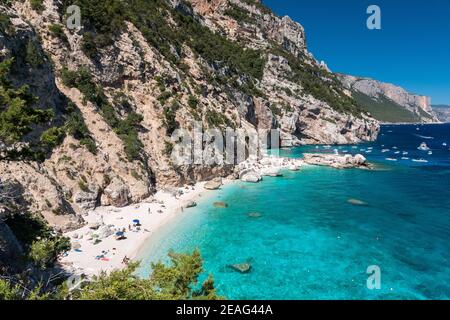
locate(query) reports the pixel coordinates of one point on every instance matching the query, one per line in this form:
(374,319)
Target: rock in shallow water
(241,267)
(357,202)
(220,204)
(255,215)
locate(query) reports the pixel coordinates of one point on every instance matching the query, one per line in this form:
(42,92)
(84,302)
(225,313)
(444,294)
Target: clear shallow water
(310,243)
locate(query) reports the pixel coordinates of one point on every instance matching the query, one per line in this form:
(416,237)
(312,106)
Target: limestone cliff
(388,102)
(136,70)
(442,112)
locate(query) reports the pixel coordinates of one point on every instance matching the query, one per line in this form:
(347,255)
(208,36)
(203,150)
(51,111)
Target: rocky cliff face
(130,83)
(418,106)
(442,112)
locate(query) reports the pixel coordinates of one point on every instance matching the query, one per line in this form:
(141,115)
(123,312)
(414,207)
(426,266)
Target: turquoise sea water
(310,243)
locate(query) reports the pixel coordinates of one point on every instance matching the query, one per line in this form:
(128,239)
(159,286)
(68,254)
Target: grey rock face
(87,199)
(442,113)
(10,249)
(116,194)
(416,104)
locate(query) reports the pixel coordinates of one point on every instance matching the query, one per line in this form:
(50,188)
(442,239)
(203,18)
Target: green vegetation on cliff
(126,129)
(106,19)
(18,116)
(385,110)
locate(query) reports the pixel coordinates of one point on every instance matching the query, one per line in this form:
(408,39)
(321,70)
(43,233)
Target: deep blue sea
(311,243)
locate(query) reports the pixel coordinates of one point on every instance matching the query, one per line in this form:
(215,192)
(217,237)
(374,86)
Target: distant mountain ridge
(387,102)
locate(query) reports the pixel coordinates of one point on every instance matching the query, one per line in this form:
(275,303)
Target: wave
(423,137)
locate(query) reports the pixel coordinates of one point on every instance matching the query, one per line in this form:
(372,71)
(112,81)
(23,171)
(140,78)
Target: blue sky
(412,49)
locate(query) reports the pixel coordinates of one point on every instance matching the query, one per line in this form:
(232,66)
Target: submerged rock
(241,267)
(255,215)
(357,202)
(220,204)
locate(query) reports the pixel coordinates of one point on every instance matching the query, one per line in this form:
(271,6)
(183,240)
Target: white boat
(430,152)
(423,146)
(405,158)
(405,153)
(391,159)
(397,152)
(420,160)
(444,144)
(385,150)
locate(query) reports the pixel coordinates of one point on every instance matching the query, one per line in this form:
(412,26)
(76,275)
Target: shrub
(88,45)
(192,102)
(37,5)
(44,252)
(33,55)
(170,122)
(76,127)
(57,31)
(52,137)
(5,23)
(176,281)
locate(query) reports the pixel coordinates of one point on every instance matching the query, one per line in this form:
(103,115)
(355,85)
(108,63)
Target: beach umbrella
(136,221)
(119,234)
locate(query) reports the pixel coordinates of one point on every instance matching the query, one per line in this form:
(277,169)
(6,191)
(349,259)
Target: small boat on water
(385,150)
(423,147)
(397,152)
(430,152)
(405,153)
(405,158)
(420,160)
(444,144)
(391,159)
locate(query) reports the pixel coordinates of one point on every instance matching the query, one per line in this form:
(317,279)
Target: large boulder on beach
(88,198)
(214,184)
(105,231)
(116,194)
(250,175)
(271,172)
(190,204)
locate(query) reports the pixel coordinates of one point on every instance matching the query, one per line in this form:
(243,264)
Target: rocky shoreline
(96,249)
